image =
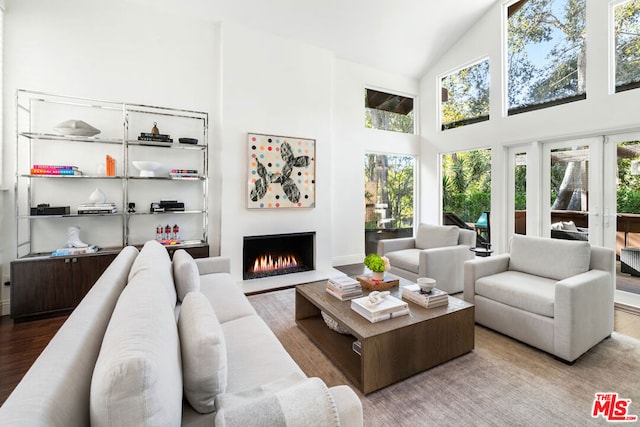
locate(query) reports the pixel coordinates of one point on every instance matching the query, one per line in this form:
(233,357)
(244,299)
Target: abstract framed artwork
(281,172)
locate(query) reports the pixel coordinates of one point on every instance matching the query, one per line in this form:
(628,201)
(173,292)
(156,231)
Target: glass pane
(466,190)
(628,216)
(546,53)
(627,37)
(520,191)
(388,197)
(569,185)
(386,111)
(465,96)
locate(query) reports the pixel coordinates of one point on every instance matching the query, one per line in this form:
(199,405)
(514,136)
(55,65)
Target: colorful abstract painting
(281,172)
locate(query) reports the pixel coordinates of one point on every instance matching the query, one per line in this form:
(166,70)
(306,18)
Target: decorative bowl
(146,168)
(75,128)
(426,284)
(187,140)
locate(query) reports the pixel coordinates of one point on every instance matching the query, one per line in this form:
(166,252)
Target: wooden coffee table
(393,349)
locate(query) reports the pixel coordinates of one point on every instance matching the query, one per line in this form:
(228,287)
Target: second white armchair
(437,251)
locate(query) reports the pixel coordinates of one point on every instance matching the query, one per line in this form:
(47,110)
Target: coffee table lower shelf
(391,350)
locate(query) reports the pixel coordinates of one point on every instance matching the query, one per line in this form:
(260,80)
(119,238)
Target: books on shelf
(184,173)
(97,208)
(54,170)
(343,287)
(158,137)
(435,298)
(388,308)
(75,251)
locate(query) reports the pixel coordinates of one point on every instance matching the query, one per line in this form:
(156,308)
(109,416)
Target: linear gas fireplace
(276,254)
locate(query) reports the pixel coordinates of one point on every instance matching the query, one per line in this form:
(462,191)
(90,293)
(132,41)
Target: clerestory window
(387,111)
(546,52)
(465,96)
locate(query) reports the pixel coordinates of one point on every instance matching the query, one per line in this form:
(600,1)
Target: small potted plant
(377,265)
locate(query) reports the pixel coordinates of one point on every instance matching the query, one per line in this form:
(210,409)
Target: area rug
(502,382)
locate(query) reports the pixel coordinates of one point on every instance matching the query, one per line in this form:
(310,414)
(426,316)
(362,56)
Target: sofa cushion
(185,273)
(154,264)
(553,258)
(255,356)
(405,259)
(527,292)
(436,236)
(204,353)
(226,296)
(137,379)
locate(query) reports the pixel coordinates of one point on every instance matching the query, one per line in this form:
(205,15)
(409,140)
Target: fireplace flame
(267,264)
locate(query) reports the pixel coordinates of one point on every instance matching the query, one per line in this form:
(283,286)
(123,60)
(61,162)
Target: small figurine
(154,129)
(132,208)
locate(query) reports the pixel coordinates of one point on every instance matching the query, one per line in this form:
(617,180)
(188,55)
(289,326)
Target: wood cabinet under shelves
(52,286)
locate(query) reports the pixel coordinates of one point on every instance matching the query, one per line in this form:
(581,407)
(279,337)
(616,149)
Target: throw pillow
(185,273)
(204,352)
(436,236)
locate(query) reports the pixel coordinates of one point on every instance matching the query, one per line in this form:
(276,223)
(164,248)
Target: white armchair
(555,295)
(437,251)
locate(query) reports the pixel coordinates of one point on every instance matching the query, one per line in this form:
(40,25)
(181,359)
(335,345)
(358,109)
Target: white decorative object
(333,324)
(97,196)
(73,238)
(426,284)
(376,297)
(146,168)
(75,128)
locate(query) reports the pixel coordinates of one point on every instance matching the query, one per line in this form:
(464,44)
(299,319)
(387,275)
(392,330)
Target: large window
(466,190)
(627,45)
(386,111)
(546,46)
(388,197)
(465,96)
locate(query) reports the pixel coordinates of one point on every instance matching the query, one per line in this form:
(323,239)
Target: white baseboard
(5,308)
(347,260)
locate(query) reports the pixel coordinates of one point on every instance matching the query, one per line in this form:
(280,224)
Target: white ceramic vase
(377,275)
(97,196)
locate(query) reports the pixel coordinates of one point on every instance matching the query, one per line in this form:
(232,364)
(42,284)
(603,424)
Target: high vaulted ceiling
(400,36)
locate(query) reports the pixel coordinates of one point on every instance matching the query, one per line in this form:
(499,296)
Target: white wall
(351,141)
(600,113)
(248,81)
(114,50)
(276,86)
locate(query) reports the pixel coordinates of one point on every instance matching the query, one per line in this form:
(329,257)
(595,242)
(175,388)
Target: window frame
(439,91)
(395,93)
(506,110)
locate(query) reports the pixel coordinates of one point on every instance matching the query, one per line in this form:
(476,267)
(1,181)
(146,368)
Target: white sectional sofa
(556,295)
(141,350)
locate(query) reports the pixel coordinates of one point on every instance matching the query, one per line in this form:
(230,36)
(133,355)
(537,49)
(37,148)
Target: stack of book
(184,173)
(54,170)
(75,251)
(97,208)
(388,308)
(159,137)
(357,347)
(343,287)
(435,298)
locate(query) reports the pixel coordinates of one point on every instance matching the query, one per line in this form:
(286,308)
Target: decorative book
(435,298)
(388,308)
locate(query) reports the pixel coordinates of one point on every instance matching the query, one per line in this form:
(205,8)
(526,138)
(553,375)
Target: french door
(572,190)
